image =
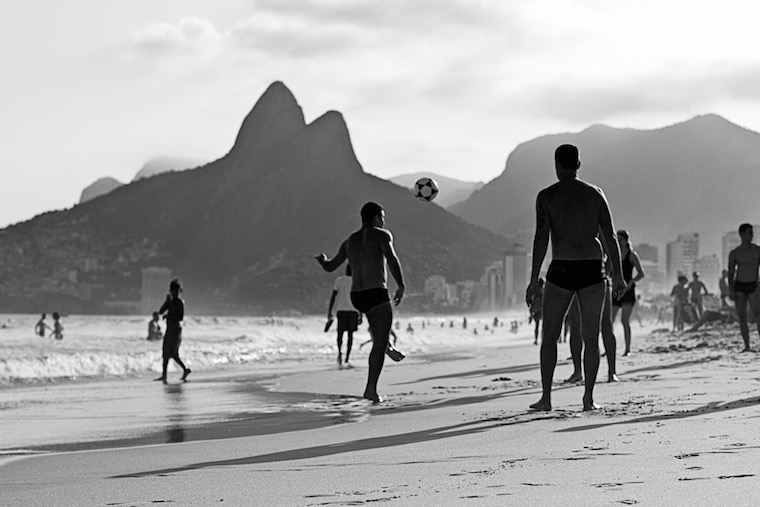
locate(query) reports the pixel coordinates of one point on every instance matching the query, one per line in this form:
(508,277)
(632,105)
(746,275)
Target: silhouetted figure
(57,327)
(348,318)
(627,298)
(409,328)
(41,326)
(174,308)
(572,212)
(368,250)
(680,297)
(697,288)
(154,328)
(535,308)
(464,323)
(743,264)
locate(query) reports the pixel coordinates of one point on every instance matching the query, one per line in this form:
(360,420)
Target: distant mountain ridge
(152,167)
(241,231)
(450,190)
(700,175)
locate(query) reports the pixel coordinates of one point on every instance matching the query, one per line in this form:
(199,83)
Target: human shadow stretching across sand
(367,251)
(572,212)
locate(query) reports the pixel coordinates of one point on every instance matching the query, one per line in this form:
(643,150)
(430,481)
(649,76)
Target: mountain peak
(275,118)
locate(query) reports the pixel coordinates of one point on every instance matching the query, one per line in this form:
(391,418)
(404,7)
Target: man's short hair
(566,156)
(744,227)
(370,211)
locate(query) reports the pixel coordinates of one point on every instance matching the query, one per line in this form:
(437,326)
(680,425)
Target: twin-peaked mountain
(241,232)
(701,176)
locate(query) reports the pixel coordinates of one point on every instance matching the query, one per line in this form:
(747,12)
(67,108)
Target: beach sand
(679,429)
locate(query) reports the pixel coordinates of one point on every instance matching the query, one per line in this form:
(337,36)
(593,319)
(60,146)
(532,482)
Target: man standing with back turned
(572,212)
(367,251)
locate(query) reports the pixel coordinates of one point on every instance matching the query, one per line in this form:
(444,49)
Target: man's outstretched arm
(331,265)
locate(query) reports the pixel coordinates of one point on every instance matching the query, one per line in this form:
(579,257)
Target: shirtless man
(743,264)
(572,212)
(697,288)
(368,250)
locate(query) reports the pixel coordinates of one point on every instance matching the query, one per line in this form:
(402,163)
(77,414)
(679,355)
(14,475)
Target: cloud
(677,90)
(189,34)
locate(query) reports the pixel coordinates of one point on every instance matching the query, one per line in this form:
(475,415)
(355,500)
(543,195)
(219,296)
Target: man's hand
(530,292)
(359,321)
(321,258)
(399,295)
(619,287)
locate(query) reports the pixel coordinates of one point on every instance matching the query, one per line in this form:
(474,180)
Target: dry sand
(679,429)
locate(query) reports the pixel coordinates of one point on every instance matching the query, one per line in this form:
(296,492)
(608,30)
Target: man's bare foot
(186,373)
(626,353)
(546,406)
(161,378)
(590,405)
(373,397)
(746,349)
(612,378)
(574,378)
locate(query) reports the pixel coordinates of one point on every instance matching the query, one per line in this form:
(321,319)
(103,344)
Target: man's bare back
(575,212)
(365,250)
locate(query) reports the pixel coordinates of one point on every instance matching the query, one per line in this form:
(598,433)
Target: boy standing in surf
(174,307)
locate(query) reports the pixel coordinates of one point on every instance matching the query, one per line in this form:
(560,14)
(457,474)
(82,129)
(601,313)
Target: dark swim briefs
(364,300)
(348,321)
(745,287)
(575,275)
(172,340)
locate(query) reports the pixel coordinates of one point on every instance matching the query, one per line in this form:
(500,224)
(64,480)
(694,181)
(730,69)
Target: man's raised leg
(380,319)
(591,300)
(555,303)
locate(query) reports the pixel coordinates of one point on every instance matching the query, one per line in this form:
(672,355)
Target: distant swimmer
(572,212)
(348,318)
(41,326)
(743,264)
(154,328)
(174,308)
(57,327)
(627,299)
(368,250)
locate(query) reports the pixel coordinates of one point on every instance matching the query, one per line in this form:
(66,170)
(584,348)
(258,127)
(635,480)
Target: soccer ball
(425,189)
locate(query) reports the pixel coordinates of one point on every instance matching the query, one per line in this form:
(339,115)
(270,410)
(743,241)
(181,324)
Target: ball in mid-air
(425,189)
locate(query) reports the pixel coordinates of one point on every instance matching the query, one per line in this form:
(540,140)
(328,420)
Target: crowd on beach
(590,280)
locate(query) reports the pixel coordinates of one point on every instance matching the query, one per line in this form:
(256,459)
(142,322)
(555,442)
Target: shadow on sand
(710,408)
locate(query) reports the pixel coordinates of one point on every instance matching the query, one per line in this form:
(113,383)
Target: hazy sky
(94,88)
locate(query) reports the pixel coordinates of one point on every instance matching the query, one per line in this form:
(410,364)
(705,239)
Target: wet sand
(680,428)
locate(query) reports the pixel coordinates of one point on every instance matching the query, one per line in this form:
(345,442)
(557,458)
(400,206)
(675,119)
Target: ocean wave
(108,346)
